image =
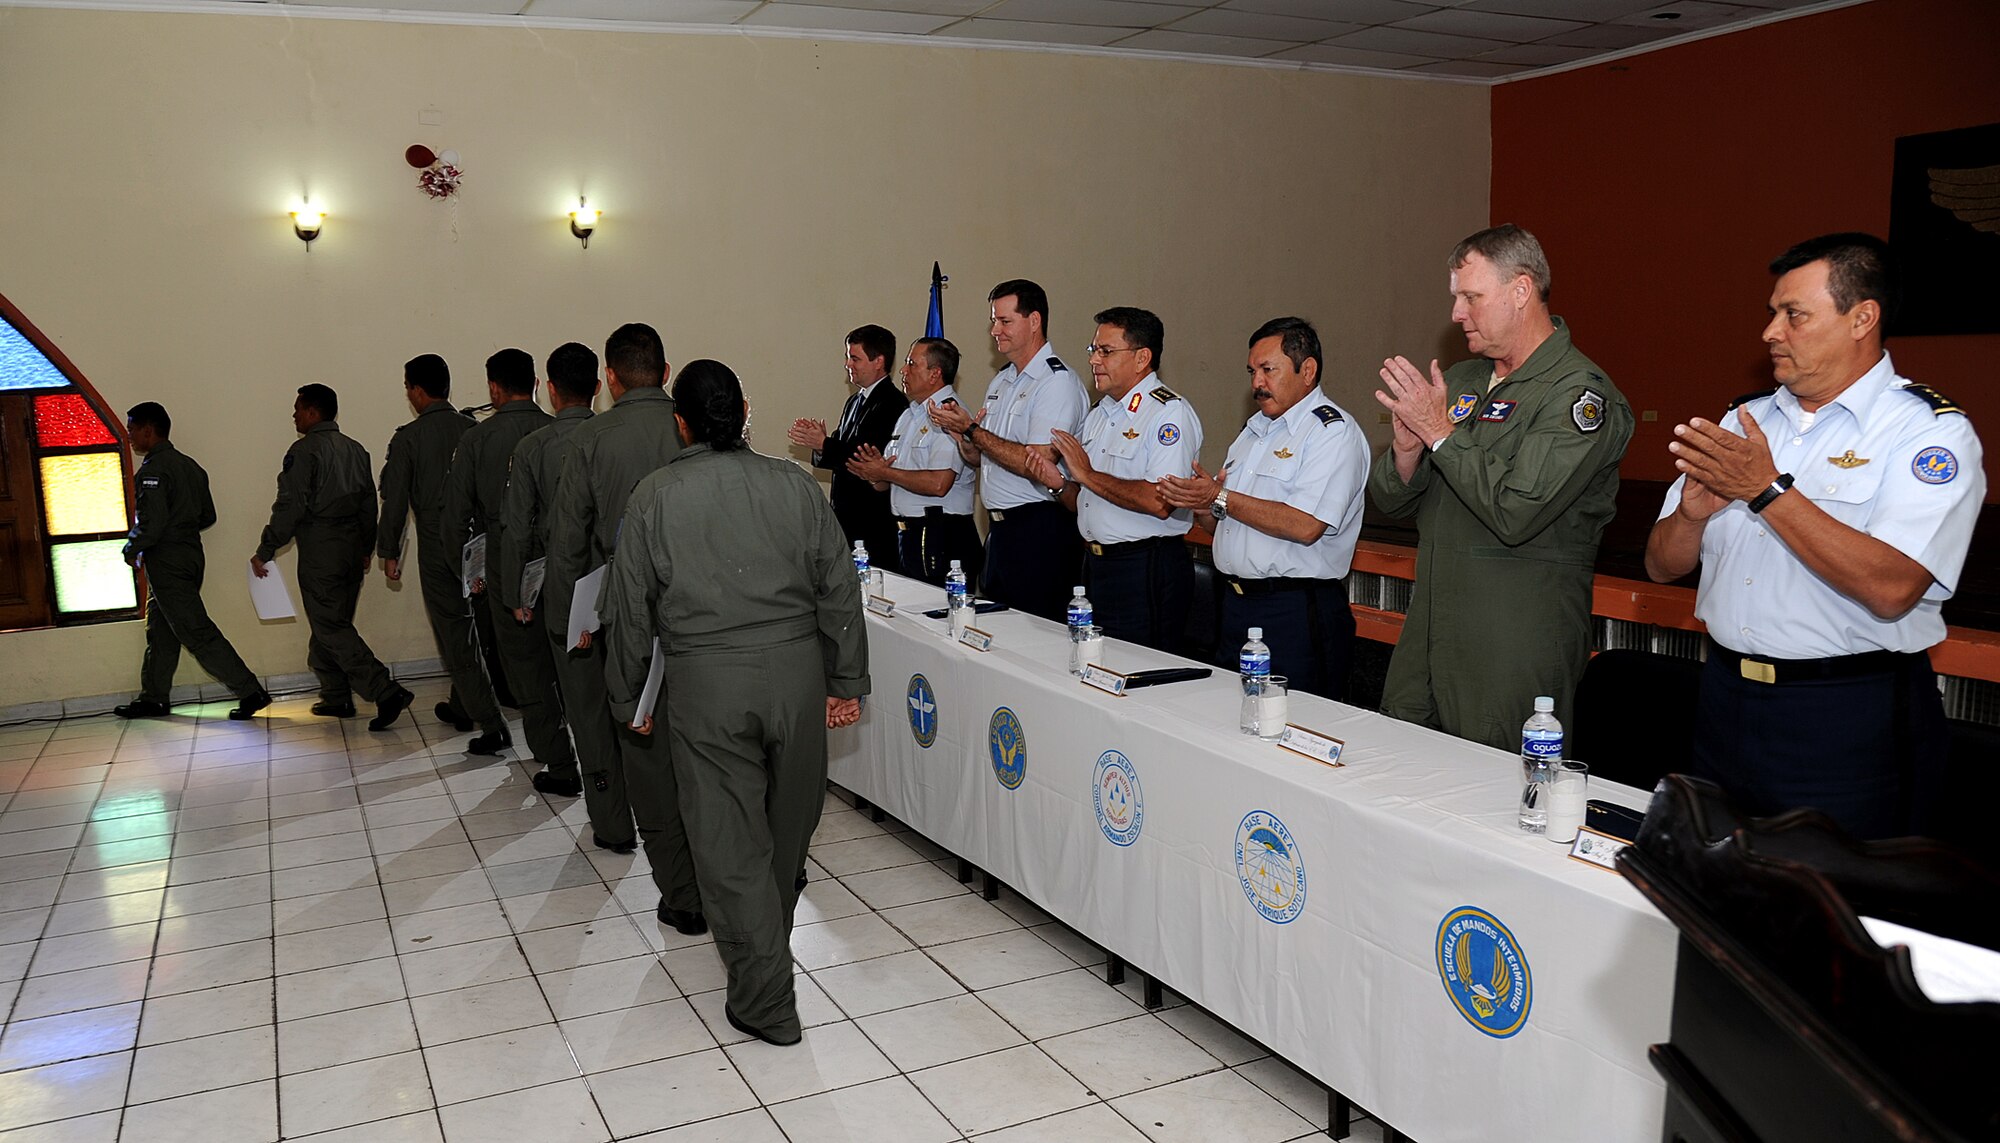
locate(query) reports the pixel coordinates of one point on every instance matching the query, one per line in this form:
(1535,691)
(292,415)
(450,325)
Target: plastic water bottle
(1254,664)
(957,599)
(861,567)
(1081,616)
(1541,749)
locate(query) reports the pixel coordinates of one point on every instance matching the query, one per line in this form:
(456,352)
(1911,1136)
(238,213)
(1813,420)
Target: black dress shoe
(747,1030)
(327,709)
(547,783)
(618,847)
(140,708)
(450,716)
(685,922)
(390,709)
(491,743)
(248,707)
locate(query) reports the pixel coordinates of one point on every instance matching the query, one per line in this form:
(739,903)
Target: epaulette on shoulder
(1749,397)
(1163,395)
(1939,403)
(1056,365)
(1327,414)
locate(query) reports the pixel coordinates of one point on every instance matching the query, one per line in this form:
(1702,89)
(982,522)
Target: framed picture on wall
(1944,223)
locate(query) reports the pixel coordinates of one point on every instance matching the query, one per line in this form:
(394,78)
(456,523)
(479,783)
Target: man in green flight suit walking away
(736,564)
(174,508)
(475,498)
(596,772)
(613,451)
(413,480)
(326,500)
(1509,462)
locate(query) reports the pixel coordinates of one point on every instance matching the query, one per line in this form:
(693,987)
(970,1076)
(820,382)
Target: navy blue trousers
(1142,595)
(1310,631)
(1033,558)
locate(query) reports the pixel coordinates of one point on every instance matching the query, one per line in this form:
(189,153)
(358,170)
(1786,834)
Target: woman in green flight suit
(735,563)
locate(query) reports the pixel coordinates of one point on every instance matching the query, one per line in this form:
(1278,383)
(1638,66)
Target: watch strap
(1777,489)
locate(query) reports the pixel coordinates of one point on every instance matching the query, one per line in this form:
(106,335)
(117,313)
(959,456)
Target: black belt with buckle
(905,523)
(1759,669)
(1129,547)
(1276,584)
(998,514)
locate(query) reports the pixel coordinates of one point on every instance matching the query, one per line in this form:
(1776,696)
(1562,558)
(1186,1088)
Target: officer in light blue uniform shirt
(1831,519)
(1033,554)
(1286,513)
(930,484)
(1136,564)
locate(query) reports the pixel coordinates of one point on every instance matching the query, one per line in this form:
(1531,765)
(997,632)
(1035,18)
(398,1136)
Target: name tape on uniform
(976,639)
(1319,747)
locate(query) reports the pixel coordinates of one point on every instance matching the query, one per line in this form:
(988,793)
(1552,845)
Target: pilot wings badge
(1847,460)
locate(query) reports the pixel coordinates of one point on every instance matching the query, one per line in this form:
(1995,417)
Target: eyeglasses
(1106,350)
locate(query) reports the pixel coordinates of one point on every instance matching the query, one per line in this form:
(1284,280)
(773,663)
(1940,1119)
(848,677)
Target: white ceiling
(1479,40)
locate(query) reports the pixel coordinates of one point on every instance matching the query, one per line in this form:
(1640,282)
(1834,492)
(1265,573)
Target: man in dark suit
(869,418)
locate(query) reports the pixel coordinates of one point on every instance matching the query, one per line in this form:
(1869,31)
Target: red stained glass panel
(63,419)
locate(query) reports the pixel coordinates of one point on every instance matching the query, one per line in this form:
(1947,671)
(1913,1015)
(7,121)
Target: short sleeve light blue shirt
(1313,458)
(1149,433)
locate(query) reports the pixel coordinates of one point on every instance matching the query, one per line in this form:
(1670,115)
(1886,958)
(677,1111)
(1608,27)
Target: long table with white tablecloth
(1383,924)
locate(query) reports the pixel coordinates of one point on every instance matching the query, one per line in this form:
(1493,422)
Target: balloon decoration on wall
(439,174)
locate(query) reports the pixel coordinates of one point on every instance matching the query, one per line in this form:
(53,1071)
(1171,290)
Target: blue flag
(934,320)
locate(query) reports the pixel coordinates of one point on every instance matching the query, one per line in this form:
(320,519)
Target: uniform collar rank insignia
(1462,408)
(1283,454)
(1847,460)
(1327,414)
(1162,394)
(1056,366)
(1132,402)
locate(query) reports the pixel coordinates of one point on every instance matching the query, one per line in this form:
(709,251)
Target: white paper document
(583,605)
(473,561)
(531,581)
(1948,971)
(269,595)
(650,696)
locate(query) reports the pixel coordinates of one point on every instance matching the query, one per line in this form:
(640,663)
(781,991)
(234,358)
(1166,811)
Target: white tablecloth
(1415,827)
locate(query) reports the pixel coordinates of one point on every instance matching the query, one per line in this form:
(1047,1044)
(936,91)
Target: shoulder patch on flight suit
(150,481)
(1163,395)
(1939,403)
(1749,397)
(1327,414)
(1463,406)
(1588,412)
(1056,366)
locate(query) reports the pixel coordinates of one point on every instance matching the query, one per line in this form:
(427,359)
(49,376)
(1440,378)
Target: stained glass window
(84,493)
(92,576)
(67,420)
(22,366)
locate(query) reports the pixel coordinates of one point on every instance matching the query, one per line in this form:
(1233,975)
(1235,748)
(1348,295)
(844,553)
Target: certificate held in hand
(583,605)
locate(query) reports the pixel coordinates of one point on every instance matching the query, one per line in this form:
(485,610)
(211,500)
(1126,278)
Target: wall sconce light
(306,222)
(583,220)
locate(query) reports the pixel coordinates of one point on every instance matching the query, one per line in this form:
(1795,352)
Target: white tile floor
(295,928)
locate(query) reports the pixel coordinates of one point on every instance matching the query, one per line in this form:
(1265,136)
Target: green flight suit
(413,479)
(174,507)
(611,453)
(474,502)
(538,462)
(1510,509)
(736,563)
(326,501)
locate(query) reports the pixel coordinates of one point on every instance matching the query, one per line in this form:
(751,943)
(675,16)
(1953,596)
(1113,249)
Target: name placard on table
(1323,748)
(881,605)
(1104,679)
(976,639)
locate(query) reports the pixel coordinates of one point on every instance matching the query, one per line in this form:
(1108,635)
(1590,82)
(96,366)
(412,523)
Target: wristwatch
(1776,490)
(1219,508)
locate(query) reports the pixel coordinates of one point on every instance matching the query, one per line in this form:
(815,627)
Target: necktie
(848,414)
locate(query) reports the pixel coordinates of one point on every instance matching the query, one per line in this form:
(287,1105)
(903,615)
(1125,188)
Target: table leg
(1114,969)
(1154,994)
(989,887)
(1339,1115)
(965,871)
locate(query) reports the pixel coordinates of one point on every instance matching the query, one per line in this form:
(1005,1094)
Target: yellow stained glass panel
(84,493)
(92,576)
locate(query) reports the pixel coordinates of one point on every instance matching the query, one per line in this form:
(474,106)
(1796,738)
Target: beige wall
(761,197)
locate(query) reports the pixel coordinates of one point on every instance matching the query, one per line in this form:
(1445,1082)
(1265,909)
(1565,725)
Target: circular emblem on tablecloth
(1121,812)
(1484,971)
(1935,466)
(923,711)
(1269,865)
(1008,744)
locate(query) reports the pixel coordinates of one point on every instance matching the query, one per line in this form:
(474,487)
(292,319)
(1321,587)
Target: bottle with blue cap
(861,567)
(1541,749)
(957,599)
(1081,616)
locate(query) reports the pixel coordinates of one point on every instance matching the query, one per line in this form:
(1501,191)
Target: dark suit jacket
(862,511)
